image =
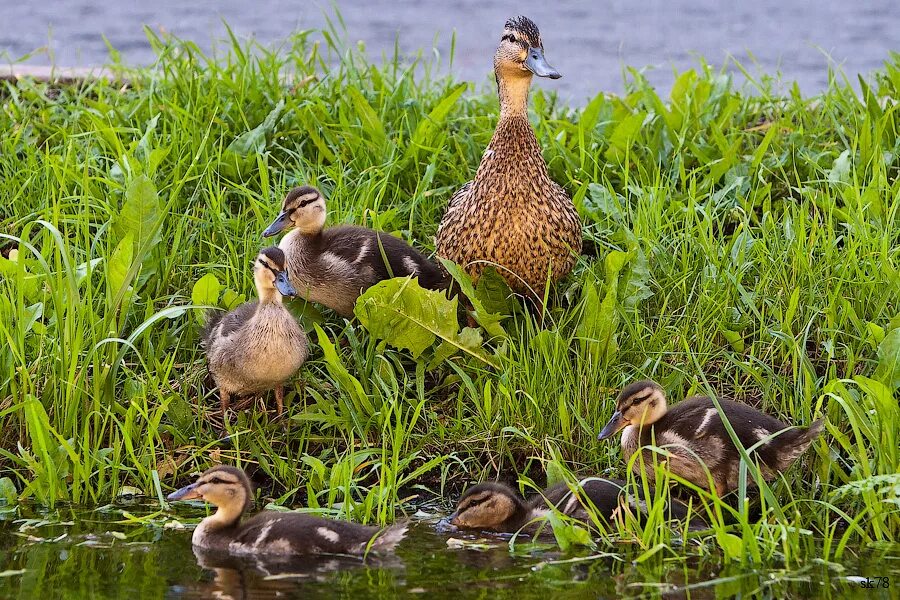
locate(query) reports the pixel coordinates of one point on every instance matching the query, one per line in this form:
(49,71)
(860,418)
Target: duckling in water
(512,215)
(496,507)
(694,427)
(258,345)
(274,533)
(334,266)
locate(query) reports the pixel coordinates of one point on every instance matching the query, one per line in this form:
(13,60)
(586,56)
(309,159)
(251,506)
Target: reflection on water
(110,553)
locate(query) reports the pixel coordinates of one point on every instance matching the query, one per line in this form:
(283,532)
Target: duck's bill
(188,492)
(616,422)
(283,285)
(277,226)
(537,64)
(446,525)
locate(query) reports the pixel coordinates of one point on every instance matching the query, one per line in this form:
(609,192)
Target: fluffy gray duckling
(272,533)
(694,429)
(258,345)
(334,266)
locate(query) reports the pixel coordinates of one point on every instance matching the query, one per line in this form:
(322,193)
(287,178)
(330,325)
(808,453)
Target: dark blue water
(588,42)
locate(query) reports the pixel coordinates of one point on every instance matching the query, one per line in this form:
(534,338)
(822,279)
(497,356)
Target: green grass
(746,243)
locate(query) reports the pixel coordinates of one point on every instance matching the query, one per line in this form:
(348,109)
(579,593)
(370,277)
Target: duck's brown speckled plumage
(271,533)
(512,215)
(693,429)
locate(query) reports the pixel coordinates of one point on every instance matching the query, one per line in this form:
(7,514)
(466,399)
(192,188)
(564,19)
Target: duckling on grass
(274,533)
(693,429)
(334,266)
(512,215)
(496,507)
(258,345)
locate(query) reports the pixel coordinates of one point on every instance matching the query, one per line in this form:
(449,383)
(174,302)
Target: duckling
(695,426)
(496,507)
(334,266)
(274,533)
(258,345)
(512,215)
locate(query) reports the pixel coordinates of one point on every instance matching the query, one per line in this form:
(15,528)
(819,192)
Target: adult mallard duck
(512,215)
(693,429)
(334,266)
(496,507)
(258,345)
(271,532)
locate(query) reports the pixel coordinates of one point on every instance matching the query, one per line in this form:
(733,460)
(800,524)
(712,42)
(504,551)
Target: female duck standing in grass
(512,215)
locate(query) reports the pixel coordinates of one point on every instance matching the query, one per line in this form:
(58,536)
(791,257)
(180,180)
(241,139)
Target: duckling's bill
(283,284)
(188,492)
(615,423)
(277,226)
(537,64)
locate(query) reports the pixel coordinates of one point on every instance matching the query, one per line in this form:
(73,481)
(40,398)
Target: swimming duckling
(513,215)
(334,266)
(496,507)
(694,426)
(270,532)
(258,345)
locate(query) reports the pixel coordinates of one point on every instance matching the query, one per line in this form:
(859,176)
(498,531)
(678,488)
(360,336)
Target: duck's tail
(801,441)
(812,432)
(387,539)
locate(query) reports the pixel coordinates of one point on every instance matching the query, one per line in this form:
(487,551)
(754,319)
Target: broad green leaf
(494,294)
(734,339)
(600,318)
(8,493)
(181,413)
(490,321)
(840,168)
(139,215)
(32,314)
(623,136)
(254,141)
(347,382)
(601,204)
(408,316)
(118,265)
(730,544)
(206,291)
(239,158)
(231,299)
(888,369)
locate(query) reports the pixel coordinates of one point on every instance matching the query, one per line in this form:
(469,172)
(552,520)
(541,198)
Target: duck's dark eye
(509,37)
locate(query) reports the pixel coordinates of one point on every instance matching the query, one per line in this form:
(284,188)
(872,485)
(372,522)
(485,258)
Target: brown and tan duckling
(334,266)
(258,345)
(512,215)
(496,507)
(270,532)
(694,427)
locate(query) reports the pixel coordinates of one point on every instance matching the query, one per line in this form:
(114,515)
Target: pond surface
(108,553)
(588,42)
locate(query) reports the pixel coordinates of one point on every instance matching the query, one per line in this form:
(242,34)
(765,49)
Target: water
(126,551)
(587,42)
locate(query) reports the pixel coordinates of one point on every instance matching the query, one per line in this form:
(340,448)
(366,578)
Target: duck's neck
(513,92)
(225,517)
(268,296)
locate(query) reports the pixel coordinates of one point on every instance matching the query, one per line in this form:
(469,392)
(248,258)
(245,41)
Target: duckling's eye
(509,38)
